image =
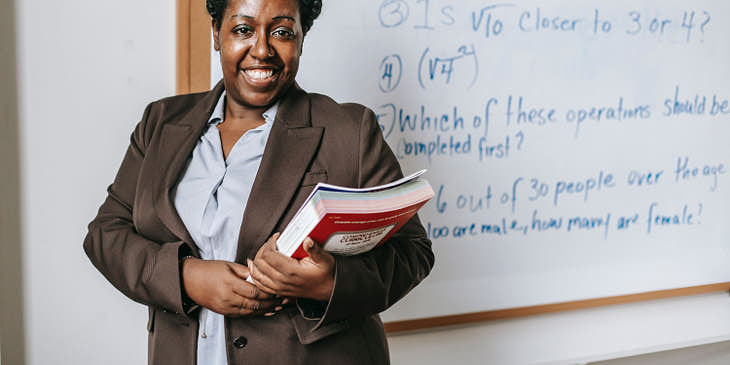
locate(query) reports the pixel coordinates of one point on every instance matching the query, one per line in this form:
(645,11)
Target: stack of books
(349,221)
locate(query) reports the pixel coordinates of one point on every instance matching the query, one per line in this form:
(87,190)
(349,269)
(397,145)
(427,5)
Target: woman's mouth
(260,75)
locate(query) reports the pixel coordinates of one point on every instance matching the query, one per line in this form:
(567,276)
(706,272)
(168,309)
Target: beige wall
(11,293)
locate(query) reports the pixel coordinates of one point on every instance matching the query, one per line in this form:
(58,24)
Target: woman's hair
(308,10)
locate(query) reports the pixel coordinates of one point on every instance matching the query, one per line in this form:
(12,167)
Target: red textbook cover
(349,221)
(350,234)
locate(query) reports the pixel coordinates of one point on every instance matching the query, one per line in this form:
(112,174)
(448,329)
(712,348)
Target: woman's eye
(283,33)
(243,30)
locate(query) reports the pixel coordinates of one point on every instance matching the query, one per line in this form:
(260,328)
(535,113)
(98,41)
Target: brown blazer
(137,238)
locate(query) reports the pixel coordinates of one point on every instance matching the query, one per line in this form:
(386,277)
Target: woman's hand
(311,277)
(221,286)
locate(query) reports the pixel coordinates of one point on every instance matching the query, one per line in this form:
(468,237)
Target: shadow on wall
(710,354)
(12,333)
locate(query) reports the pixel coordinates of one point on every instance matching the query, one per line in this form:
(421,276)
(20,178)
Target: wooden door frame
(193,47)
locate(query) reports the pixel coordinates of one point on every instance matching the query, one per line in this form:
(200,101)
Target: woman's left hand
(311,277)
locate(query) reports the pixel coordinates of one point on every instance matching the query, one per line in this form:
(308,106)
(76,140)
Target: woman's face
(260,42)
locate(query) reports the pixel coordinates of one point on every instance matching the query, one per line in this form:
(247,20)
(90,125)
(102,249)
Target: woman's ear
(216,35)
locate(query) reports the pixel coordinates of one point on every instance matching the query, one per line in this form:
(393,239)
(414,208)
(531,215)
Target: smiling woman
(259,55)
(208,180)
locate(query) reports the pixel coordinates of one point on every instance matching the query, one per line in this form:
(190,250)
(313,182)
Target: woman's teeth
(259,74)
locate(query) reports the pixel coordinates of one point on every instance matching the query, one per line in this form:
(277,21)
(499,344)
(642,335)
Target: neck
(234,111)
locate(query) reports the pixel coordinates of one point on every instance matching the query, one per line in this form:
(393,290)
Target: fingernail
(285,301)
(278,308)
(269,314)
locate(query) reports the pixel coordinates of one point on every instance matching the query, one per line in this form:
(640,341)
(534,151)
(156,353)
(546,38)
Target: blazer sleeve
(369,283)
(144,270)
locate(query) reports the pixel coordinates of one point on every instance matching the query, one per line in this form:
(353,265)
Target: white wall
(87,69)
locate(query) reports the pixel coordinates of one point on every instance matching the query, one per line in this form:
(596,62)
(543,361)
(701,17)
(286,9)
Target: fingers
(240,270)
(275,280)
(250,291)
(315,251)
(244,288)
(221,287)
(272,278)
(311,277)
(265,281)
(248,306)
(270,244)
(269,247)
(276,259)
(250,300)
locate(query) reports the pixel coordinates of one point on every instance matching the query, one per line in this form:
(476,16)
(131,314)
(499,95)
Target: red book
(348,221)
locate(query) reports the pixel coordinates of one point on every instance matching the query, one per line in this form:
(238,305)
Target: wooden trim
(457,319)
(183,47)
(193,47)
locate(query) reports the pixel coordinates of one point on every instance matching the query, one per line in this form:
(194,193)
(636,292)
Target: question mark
(699,213)
(702,27)
(521,136)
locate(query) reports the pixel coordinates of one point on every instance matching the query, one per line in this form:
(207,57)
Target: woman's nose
(262,49)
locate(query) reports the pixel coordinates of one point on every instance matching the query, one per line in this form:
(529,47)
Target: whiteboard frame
(193,75)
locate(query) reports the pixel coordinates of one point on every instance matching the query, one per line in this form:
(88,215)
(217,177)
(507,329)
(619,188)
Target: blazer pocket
(306,332)
(313,177)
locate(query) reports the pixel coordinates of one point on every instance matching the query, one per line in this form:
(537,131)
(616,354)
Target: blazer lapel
(289,150)
(177,141)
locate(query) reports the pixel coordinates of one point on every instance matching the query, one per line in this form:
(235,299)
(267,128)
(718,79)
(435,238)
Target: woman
(207,181)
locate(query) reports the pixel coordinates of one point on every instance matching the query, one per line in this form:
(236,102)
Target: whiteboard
(578,149)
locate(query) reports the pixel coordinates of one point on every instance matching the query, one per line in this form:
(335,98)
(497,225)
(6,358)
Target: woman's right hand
(221,286)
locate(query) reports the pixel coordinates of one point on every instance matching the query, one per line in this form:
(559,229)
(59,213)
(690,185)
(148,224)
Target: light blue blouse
(210,200)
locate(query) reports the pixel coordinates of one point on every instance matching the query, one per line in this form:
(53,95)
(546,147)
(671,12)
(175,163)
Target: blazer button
(240,342)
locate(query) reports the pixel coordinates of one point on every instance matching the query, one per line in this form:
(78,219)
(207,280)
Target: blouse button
(240,342)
